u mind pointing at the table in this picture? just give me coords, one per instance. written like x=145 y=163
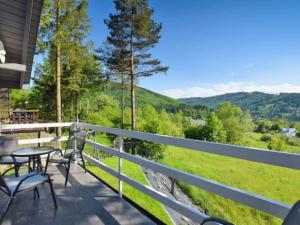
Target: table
x=34 y=154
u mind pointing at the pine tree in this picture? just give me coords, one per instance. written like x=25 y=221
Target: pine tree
x=61 y=40
x=132 y=30
x=114 y=59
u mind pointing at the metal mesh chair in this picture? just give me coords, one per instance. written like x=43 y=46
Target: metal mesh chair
x=74 y=146
x=213 y=220
x=8 y=144
x=13 y=185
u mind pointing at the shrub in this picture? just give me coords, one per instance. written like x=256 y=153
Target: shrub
x=277 y=143
x=194 y=132
x=266 y=138
x=151 y=150
x=294 y=141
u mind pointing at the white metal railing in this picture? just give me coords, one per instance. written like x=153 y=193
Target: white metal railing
x=256 y=201
x=29 y=126
x=259 y=202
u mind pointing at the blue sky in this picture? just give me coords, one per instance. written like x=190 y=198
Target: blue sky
x=216 y=46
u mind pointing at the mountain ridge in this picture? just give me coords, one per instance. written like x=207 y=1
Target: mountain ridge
x=261 y=105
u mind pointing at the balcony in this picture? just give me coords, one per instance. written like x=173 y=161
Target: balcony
x=85 y=201
x=89 y=201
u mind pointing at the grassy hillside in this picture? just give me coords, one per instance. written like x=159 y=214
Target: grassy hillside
x=274 y=182
x=262 y=105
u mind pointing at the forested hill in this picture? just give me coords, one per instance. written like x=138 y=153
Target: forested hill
x=260 y=104
x=143 y=96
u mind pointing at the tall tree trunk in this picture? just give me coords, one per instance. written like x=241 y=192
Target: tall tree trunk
x=132 y=78
x=58 y=66
x=132 y=90
x=123 y=102
x=77 y=110
x=71 y=106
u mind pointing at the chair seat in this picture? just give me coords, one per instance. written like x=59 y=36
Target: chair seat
x=9 y=160
x=31 y=182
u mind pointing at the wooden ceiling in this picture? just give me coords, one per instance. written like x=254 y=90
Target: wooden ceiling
x=19 y=23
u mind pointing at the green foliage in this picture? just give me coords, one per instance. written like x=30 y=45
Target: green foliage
x=264 y=126
x=151 y=150
x=213 y=130
x=132 y=33
x=277 y=143
x=231 y=117
x=193 y=132
x=19 y=98
x=293 y=141
x=158 y=101
x=79 y=69
x=266 y=138
x=151 y=121
x=261 y=105
x=226 y=125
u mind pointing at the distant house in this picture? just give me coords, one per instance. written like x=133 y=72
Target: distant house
x=197 y=122
x=291 y=132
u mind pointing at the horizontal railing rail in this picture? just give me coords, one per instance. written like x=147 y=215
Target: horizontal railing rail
x=256 y=201
x=16 y=127
x=253 y=200
x=33 y=125
x=276 y=158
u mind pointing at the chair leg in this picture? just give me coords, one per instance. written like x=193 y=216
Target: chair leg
x=68 y=171
x=16 y=170
x=83 y=163
x=7 y=208
x=36 y=192
x=52 y=192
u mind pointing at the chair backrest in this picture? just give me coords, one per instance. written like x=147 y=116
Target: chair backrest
x=293 y=217
x=8 y=144
x=82 y=134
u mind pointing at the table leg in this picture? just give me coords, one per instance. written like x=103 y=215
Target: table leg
x=40 y=166
x=46 y=166
x=33 y=163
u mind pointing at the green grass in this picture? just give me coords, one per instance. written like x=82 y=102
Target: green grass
x=274 y=182
x=134 y=171
x=253 y=139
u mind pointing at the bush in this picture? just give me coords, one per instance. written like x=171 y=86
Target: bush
x=151 y=150
x=194 y=132
x=277 y=143
x=263 y=126
x=266 y=138
x=294 y=141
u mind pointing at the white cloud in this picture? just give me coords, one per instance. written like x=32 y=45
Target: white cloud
x=231 y=87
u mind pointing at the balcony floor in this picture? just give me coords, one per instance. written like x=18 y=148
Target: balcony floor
x=85 y=201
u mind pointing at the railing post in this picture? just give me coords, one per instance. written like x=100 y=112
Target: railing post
x=120 y=148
